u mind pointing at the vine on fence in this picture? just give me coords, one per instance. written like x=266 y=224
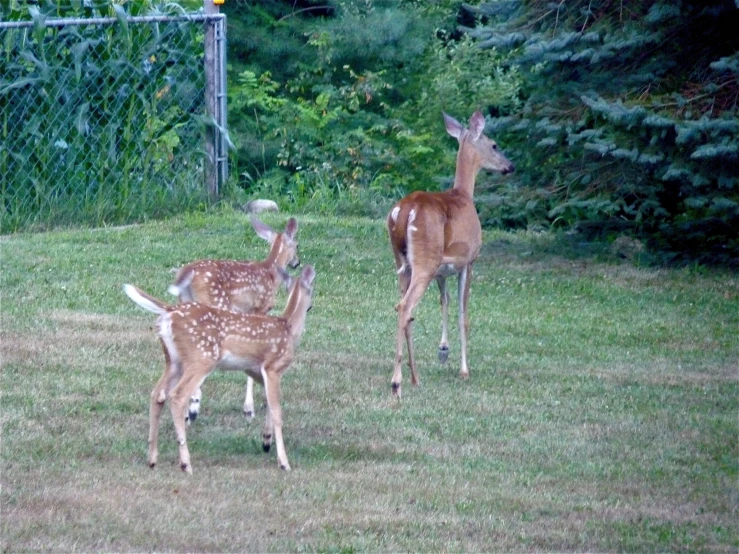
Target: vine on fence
x=100 y=121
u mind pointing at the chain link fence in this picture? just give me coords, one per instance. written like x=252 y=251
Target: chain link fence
x=106 y=120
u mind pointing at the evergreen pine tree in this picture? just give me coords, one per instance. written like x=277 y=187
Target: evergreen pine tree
x=630 y=117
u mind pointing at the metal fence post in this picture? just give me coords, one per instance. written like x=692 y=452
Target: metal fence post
x=110 y=128
x=212 y=180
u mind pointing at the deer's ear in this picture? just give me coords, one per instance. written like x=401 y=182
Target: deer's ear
x=287 y=281
x=308 y=275
x=263 y=230
x=453 y=127
x=477 y=124
x=292 y=228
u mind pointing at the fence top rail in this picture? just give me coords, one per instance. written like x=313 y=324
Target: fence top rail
x=63 y=22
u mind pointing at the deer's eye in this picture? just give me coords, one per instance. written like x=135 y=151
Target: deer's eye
x=495 y=146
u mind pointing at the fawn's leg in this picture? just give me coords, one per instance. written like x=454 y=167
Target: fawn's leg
x=272 y=389
x=249 y=398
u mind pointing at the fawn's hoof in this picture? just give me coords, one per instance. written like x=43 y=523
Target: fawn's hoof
x=396 y=390
x=443 y=354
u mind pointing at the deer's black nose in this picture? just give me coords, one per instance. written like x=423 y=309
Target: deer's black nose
x=510 y=169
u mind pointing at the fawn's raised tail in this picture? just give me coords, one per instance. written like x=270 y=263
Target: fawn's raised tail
x=182 y=285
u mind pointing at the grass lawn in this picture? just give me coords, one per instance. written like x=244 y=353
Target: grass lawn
x=600 y=415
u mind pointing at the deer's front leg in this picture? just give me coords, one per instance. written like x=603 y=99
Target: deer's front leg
x=249 y=398
x=267 y=431
x=194 y=409
x=272 y=390
x=195 y=401
x=444 y=300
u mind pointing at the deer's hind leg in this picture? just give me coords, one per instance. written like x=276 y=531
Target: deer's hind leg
x=193 y=376
x=162 y=390
x=465 y=276
x=418 y=285
x=444 y=301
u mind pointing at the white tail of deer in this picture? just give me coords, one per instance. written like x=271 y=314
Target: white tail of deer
x=198 y=339
x=437 y=234
x=240 y=286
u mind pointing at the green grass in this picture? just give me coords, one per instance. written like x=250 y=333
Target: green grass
x=601 y=412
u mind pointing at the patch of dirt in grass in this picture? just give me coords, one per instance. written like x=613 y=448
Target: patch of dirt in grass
x=663 y=373
x=342 y=359
x=76 y=330
x=594 y=260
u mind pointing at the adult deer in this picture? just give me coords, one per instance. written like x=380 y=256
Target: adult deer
x=198 y=339
x=240 y=286
x=438 y=234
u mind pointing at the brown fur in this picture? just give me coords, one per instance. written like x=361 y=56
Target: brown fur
x=437 y=234
x=198 y=339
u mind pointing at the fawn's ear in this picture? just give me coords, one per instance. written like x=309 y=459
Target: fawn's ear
x=307 y=276
x=263 y=230
x=291 y=228
x=287 y=281
x=477 y=124
x=453 y=127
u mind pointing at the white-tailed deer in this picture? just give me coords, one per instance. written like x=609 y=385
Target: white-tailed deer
x=240 y=286
x=198 y=339
x=438 y=234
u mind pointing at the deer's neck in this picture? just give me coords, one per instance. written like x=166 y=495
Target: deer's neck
x=274 y=258
x=296 y=311
x=467 y=169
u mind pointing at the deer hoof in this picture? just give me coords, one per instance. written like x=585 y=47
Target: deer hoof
x=464 y=376
x=152 y=465
x=249 y=414
x=187 y=468
x=396 y=390
x=443 y=354
x=285 y=467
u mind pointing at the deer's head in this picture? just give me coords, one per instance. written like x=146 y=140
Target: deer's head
x=284 y=246
x=486 y=151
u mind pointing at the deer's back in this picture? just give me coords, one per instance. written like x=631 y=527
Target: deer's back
x=443 y=224
x=233 y=285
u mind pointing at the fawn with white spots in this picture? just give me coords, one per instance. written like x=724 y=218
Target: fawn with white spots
x=240 y=286
x=198 y=339
x=437 y=234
